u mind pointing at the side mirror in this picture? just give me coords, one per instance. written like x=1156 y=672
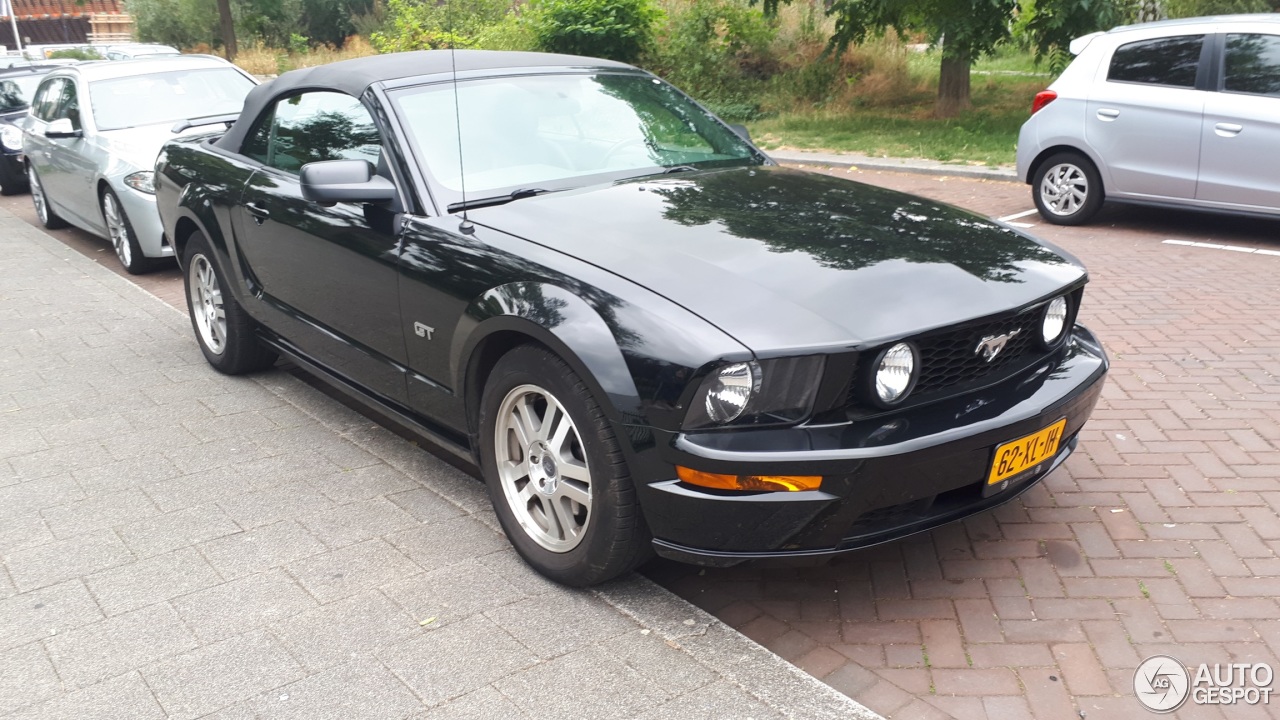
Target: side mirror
x=61 y=128
x=354 y=181
x=742 y=132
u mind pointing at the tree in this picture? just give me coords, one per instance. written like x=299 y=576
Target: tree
x=228 y=25
x=965 y=30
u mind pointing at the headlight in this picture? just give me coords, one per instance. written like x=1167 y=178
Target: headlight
x=11 y=137
x=1055 y=320
x=767 y=392
x=144 y=181
x=895 y=373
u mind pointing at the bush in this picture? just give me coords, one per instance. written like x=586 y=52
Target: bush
x=512 y=33
x=75 y=54
x=180 y=23
x=719 y=51
x=613 y=29
x=428 y=25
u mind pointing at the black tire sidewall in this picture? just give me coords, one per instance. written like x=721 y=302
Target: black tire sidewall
x=594 y=559
x=241 y=352
x=52 y=220
x=139 y=263
x=1092 y=203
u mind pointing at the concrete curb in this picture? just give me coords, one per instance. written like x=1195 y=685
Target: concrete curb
x=917 y=166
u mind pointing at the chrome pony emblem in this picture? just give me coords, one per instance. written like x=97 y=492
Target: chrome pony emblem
x=991 y=346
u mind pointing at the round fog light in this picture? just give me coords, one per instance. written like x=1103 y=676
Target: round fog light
x=1055 y=320
x=895 y=373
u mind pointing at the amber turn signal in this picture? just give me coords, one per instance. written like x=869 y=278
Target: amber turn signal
x=775 y=483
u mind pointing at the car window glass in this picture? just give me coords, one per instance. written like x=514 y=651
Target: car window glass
x=313 y=127
x=1252 y=64
x=1164 y=61
x=166 y=97
x=68 y=105
x=47 y=99
x=16 y=92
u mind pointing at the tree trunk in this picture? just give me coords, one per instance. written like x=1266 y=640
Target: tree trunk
x=953 y=84
x=228 y=24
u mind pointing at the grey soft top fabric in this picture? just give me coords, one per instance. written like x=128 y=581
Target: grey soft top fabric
x=353 y=77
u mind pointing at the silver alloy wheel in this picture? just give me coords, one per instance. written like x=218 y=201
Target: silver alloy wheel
x=116 y=230
x=206 y=304
x=1064 y=189
x=542 y=468
x=37 y=196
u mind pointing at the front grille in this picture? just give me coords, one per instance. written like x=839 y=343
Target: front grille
x=951 y=359
x=950 y=363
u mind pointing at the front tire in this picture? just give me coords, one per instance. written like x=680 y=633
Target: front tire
x=556 y=474
x=1067 y=189
x=224 y=331
x=123 y=239
x=50 y=219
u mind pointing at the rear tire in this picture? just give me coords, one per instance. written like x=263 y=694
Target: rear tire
x=1067 y=189
x=556 y=474
x=50 y=219
x=224 y=331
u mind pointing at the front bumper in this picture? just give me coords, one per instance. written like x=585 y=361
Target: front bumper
x=141 y=209
x=885 y=477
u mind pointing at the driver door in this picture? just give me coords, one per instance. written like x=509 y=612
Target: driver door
x=327 y=273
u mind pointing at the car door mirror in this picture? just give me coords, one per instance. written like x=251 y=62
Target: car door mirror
x=354 y=181
x=742 y=132
x=61 y=128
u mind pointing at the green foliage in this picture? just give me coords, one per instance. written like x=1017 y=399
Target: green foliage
x=180 y=23
x=613 y=29
x=511 y=33
x=188 y=23
x=1197 y=8
x=75 y=54
x=426 y=24
x=269 y=21
x=1049 y=26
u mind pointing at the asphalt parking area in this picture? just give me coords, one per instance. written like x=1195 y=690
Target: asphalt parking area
x=1160 y=535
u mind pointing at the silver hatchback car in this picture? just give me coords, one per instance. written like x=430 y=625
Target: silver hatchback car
x=1181 y=113
x=94 y=132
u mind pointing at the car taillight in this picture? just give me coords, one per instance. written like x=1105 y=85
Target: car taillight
x=1043 y=98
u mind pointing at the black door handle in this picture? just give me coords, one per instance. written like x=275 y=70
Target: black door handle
x=257 y=212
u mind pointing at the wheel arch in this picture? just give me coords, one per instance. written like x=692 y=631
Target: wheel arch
x=195 y=213
x=1052 y=150
x=503 y=318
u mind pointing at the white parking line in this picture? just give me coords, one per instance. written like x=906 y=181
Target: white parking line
x=1216 y=246
x=1015 y=216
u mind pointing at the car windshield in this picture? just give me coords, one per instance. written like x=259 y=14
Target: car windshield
x=551 y=132
x=167 y=97
x=16 y=91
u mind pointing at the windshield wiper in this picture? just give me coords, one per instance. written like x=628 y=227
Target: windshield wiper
x=498 y=199
x=679 y=169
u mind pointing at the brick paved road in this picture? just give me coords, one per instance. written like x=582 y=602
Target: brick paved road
x=1160 y=535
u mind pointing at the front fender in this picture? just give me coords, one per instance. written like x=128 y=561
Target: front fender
x=566 y=324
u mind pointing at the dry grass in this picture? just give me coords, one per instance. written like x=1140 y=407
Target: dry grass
x=258 y=59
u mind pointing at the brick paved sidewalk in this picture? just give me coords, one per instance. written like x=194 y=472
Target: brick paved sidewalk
x=180 y=544
x=1160 y=535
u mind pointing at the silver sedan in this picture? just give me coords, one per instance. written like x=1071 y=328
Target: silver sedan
x=93 y=135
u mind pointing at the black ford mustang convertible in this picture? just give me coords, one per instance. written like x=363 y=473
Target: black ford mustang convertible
x=648 y=335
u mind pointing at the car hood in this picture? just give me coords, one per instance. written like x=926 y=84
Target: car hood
x=788 y=261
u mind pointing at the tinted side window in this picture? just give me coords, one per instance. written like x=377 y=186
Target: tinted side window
x=312 y=127
x=1164 y=61
x=68 y=104
x=1252 y=64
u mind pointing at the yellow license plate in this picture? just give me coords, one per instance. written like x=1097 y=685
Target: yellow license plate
x=1025 y=452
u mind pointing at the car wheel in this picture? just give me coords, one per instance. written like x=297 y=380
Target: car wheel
x=556 y=474
x=224 y=330
x=123 y=239
x=48 y=217
x=1067 y=189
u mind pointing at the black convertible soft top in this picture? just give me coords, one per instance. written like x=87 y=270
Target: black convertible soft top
x=353 y=77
